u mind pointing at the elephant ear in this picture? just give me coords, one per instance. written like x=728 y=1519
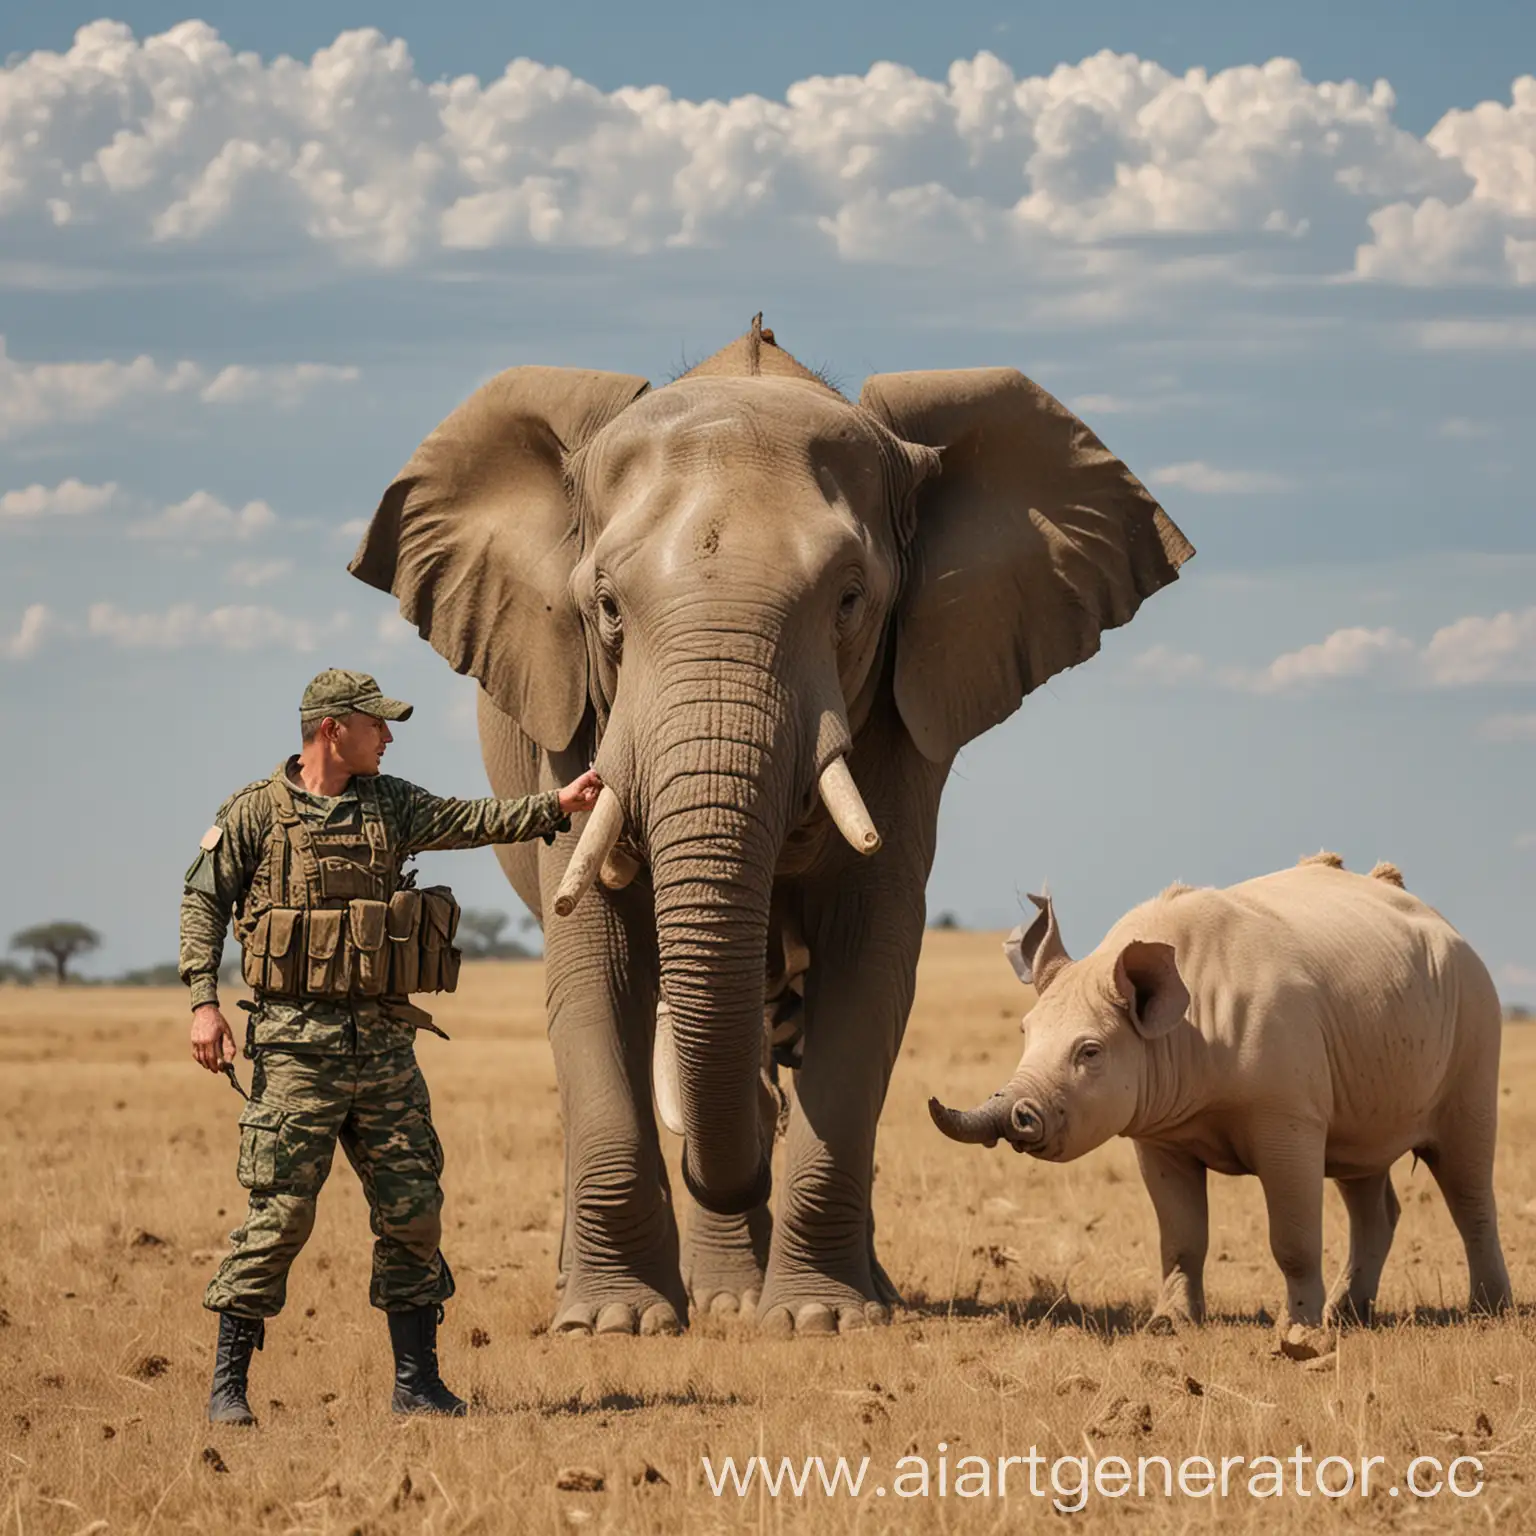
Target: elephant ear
x=1030 y=542
x=477 y=537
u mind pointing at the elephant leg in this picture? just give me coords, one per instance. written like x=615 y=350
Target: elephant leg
x=1373 y=1212
x=864 y=923
x=619 y=1246
x=1176 y=1183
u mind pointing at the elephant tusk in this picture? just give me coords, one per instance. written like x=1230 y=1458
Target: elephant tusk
x=605 y=824
x=669 y=1099
x=842 y=798
x=619 y=868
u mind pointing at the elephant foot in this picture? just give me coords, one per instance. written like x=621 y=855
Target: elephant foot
x=810 y=1304
x=585 y=1319
x=815 y=1319
x=723 y=1261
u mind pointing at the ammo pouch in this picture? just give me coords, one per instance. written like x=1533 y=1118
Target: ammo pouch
x=439 y=925
x=366 y=948
x=271 y=959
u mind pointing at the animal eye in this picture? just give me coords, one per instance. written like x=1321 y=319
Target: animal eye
x=1089 y=1052
x=848 y=607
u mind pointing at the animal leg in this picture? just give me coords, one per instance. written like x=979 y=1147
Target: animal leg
x=1288 y=1159
x=823 y=1276
x=619 y=1247
x=1462 y=1164
x=1373 y=1211
x=1176 y=1183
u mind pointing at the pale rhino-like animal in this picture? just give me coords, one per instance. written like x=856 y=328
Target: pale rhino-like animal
x=1305 y=1025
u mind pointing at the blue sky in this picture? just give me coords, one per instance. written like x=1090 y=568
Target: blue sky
x=237 y=289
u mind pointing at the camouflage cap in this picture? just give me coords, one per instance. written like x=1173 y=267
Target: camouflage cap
x=339 y=693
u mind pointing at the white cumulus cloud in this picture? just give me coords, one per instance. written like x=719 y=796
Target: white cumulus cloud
x=1490 y=233
x=69 y=498
x=1207 y=480
x=1501 y=649
x=1345 y=653
x=258 y=573
x=233 y=627
x=153 y=148
x=202 y=516
x=36 y=622
x=34 y=396
x=1474 y=651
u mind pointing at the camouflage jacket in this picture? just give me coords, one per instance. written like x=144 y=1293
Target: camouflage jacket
x=220 y=879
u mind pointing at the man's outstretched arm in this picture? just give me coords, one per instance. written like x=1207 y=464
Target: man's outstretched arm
x=429 y=821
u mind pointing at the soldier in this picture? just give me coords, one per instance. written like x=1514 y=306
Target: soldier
x=334 y=935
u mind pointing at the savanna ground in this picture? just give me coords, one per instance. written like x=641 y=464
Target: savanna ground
x=1026 y=1289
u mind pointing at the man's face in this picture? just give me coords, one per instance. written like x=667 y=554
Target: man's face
x=360 y=743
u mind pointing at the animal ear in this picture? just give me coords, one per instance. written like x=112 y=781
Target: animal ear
x=1030 y=542
x=477 y=537
x=1147 y=976
x=1036 y=953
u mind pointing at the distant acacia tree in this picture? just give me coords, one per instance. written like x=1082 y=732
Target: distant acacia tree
x=59 y=942
x=480 y=936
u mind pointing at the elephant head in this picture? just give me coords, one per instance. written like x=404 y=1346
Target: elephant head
x=715 y=583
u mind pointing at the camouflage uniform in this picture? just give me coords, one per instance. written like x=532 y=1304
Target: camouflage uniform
x=333 y=1068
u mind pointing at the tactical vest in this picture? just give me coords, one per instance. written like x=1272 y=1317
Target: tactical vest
x=338 y=920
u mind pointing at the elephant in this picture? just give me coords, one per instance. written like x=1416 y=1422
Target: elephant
x=1306 y=1024
x=770 y=617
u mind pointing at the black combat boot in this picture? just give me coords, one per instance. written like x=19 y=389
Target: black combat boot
x=238 y=1336
x=418 y=1387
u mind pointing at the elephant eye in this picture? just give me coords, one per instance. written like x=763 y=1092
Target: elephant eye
x=610 y=623
x=848 y=607
x=1088 y=1053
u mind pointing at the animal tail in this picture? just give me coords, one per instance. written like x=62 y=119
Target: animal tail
x=1388 y=872
x=1332 y=860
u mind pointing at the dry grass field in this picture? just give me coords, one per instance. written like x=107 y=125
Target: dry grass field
x=1026 y=1286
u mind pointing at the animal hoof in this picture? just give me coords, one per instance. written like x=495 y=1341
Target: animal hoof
x=816 y=1317
x=1298 y=1341
x=778 y=1323
x=617 y=1317
x=574 y=1322
x=659 y=1321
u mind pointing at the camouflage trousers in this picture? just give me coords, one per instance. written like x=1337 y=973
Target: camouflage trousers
x=301 y=1104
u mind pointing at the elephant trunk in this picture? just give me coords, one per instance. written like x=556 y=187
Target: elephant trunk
x=715 y=808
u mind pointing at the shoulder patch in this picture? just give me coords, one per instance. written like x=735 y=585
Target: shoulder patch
x=210 y=839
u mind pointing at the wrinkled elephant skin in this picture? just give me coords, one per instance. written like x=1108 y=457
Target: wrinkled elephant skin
x=771 y=616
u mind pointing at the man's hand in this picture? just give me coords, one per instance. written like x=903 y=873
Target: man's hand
x=581 y=794
x=213 y=1043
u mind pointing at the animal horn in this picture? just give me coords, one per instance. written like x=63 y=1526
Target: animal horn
x=604 y=825
x=846 y=805
x=978 y=1127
